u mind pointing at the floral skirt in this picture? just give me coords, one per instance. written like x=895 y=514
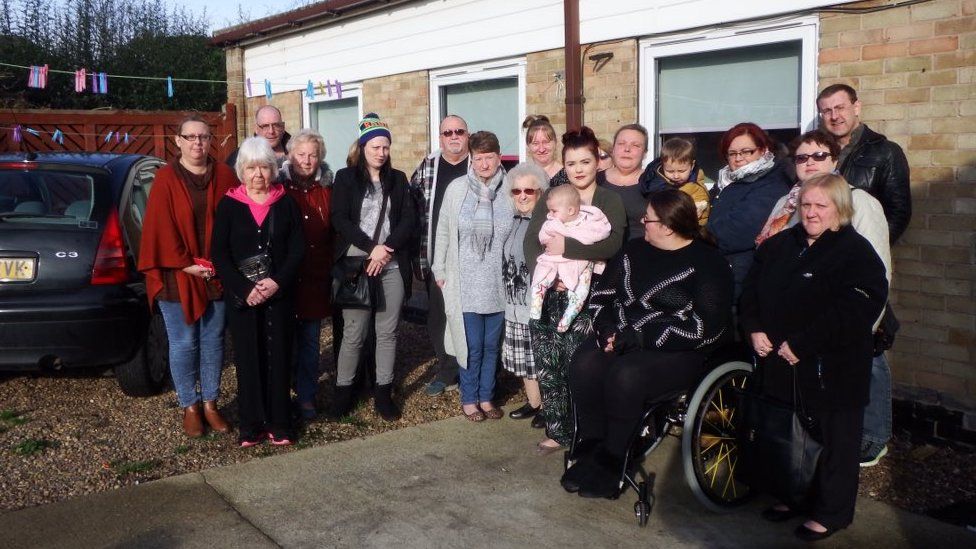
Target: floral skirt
x=553 y=352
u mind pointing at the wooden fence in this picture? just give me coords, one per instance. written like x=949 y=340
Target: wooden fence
x=149 y=132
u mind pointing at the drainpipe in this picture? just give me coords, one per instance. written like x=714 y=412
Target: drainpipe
x=574 y=75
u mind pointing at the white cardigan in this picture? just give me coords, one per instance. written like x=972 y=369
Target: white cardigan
x=447 y=265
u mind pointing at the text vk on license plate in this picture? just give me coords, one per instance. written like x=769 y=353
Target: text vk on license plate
x=17 y=269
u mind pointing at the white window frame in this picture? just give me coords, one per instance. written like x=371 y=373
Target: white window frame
x=348 y=91
x=651 y=50
x=504 y=68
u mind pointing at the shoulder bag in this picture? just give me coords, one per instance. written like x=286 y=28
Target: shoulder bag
x=352 y=288
x=779 y=453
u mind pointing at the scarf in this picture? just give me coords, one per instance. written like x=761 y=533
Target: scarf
x=748 y=173
x=781 y=219
x=483 y=221
x=258 y=211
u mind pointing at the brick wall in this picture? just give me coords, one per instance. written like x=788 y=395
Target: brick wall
x=234 y=62
x=545 y=87
x=403 y=101
x=611 y=91
x=914 y=71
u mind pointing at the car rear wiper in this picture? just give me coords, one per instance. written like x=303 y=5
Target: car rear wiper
x=12 y=215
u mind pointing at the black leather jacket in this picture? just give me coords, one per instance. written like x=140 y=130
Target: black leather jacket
x=879 y=167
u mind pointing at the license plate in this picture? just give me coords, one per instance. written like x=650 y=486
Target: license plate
x=17 y=269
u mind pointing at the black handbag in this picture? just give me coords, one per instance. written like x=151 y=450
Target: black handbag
x=884 y=336
x=352 y=288
x=778 y=451
x=259 y=266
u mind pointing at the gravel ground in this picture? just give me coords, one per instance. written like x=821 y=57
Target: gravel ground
x=70 y=434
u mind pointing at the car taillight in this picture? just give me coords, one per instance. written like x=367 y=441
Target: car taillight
x=110 y=266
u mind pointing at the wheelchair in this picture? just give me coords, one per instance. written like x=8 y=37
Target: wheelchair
x=706 y=421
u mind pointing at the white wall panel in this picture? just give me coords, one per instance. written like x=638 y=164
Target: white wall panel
x=443 y=33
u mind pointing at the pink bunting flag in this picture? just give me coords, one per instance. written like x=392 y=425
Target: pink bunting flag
x=81 y=80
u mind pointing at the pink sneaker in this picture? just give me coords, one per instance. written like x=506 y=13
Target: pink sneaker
x=278 y=441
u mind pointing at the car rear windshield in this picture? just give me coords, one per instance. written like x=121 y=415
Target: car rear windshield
x=45 y=196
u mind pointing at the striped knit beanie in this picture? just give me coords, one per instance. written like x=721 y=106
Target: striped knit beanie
x=371 y=126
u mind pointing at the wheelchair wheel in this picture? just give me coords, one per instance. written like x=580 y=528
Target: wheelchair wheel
x=709 y=450
x=642 y=509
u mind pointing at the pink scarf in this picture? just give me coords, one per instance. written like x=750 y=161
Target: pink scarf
x=258 y=211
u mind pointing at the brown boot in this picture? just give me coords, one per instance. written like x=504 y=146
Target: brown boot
x=192 y=422
x=214 y=419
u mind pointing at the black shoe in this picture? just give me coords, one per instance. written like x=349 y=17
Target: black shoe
x=807 y=534
x=773 y=514
x=525 y=412
x=342 y=402
x=573 y=476
x=384 y=404
x=603 y=479
x=539 y=421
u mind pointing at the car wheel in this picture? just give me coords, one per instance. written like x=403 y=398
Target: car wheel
x=146 y=373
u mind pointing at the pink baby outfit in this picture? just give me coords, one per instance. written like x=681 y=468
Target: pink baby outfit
x=590 y=226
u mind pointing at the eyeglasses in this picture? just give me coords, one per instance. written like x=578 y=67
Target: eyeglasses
x=743 y=153
x=645 y=220
x=457 y=131
x=528 y=192
x=819 y=156
x=201 y=138
x=838 y=110
x=276 y=125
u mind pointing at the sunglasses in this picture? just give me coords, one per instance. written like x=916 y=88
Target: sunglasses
x=528 y=192
x=458 y=132
x=818 y=156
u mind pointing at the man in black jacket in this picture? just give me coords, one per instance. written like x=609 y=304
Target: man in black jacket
x=269 y=125
x=869 y=161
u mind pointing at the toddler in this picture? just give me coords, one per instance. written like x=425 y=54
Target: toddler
x=586 y=224
x=676 y=167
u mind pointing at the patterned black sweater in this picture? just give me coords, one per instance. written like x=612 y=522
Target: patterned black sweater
x=676 y=300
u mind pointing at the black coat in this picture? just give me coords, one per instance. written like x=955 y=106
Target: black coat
x=347 y=204
x=822 y=299
x=879 y=167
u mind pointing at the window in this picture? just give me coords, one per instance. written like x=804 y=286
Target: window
x=338 y=122
x=698 y=86
x=488 y=97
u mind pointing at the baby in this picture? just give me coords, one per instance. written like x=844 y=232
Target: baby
x=585 y=224
x=676 y=167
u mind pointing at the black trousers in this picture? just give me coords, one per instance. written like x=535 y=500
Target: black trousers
x=262 y=355
x=447 y=365
x=610 y=390
x=835 y=485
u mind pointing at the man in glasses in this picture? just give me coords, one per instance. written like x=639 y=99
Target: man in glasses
x=428 y=184
x=268 y=124
x=869 y=161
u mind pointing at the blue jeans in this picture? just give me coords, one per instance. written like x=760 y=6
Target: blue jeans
x=877 y=414
x=195 y=351
x=307 y=359
x=483 y=335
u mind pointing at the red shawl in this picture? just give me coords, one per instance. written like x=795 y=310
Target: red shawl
x=169 y=240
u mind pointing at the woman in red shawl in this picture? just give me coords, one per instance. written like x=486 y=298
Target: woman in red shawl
x=175 y=242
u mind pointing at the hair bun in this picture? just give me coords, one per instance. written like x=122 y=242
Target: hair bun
x=534 y=119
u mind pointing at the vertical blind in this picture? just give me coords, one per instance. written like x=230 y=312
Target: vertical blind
x=490 y=105
x=338 y=122
x=713 y=91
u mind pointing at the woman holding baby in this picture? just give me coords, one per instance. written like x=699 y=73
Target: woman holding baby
x=554 y=347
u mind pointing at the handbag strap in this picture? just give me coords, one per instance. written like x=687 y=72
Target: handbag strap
x=379 y=220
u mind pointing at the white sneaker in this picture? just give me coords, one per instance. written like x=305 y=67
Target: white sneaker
x=872 y=461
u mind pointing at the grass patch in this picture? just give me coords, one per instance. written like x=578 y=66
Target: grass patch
x=33 y=446
x=11 y=418
x=122 y=467
x=210 y=437
x=181 y=449
x=354 y=421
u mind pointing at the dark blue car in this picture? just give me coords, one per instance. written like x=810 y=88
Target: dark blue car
x=70 y=295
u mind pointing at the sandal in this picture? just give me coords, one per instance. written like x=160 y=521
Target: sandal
x=493 y=413
x=474 y=416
